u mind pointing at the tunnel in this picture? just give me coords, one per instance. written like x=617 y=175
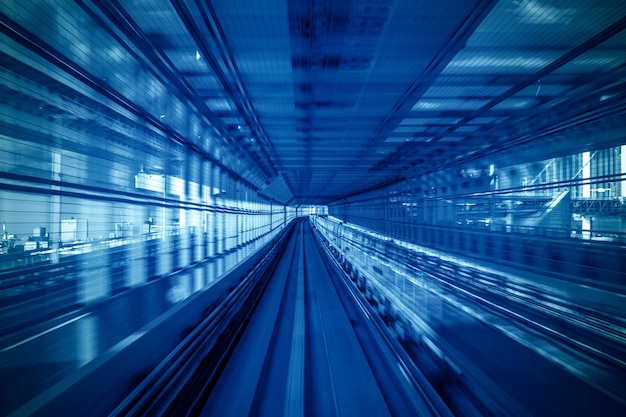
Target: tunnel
x=313 y=208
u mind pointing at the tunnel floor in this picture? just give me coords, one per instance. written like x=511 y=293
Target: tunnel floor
x=300 y=354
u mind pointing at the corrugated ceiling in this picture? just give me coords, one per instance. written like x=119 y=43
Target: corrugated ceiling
x=326 y=99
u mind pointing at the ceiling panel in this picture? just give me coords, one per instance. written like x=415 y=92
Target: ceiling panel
x=333 y=98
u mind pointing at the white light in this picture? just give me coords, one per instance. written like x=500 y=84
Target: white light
x=586 y=174
x=532 y=12
x=499 y=62
x=425 y=105
x=198 y=56
x=623 y=170
x=586 y=228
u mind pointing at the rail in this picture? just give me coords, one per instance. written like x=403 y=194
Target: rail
x=422 y=291
x=175 y=385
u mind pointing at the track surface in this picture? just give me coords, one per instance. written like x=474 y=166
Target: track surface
x=519 y=350
x=300 y=354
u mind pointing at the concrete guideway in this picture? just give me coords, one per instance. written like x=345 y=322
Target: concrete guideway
x=302 y=352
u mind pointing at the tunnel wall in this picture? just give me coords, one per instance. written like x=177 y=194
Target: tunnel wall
x=488 y=214
x=599 y=263
x=119 y=197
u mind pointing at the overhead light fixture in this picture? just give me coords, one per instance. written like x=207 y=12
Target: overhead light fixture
x=425 y=105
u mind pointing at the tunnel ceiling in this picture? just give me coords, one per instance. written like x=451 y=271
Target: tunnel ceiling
x=333 y=98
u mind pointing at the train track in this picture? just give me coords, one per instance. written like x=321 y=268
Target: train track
x=483 y=309
x=305 y=344
x=179 y=384
x=313 y=351
x=599 y=334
